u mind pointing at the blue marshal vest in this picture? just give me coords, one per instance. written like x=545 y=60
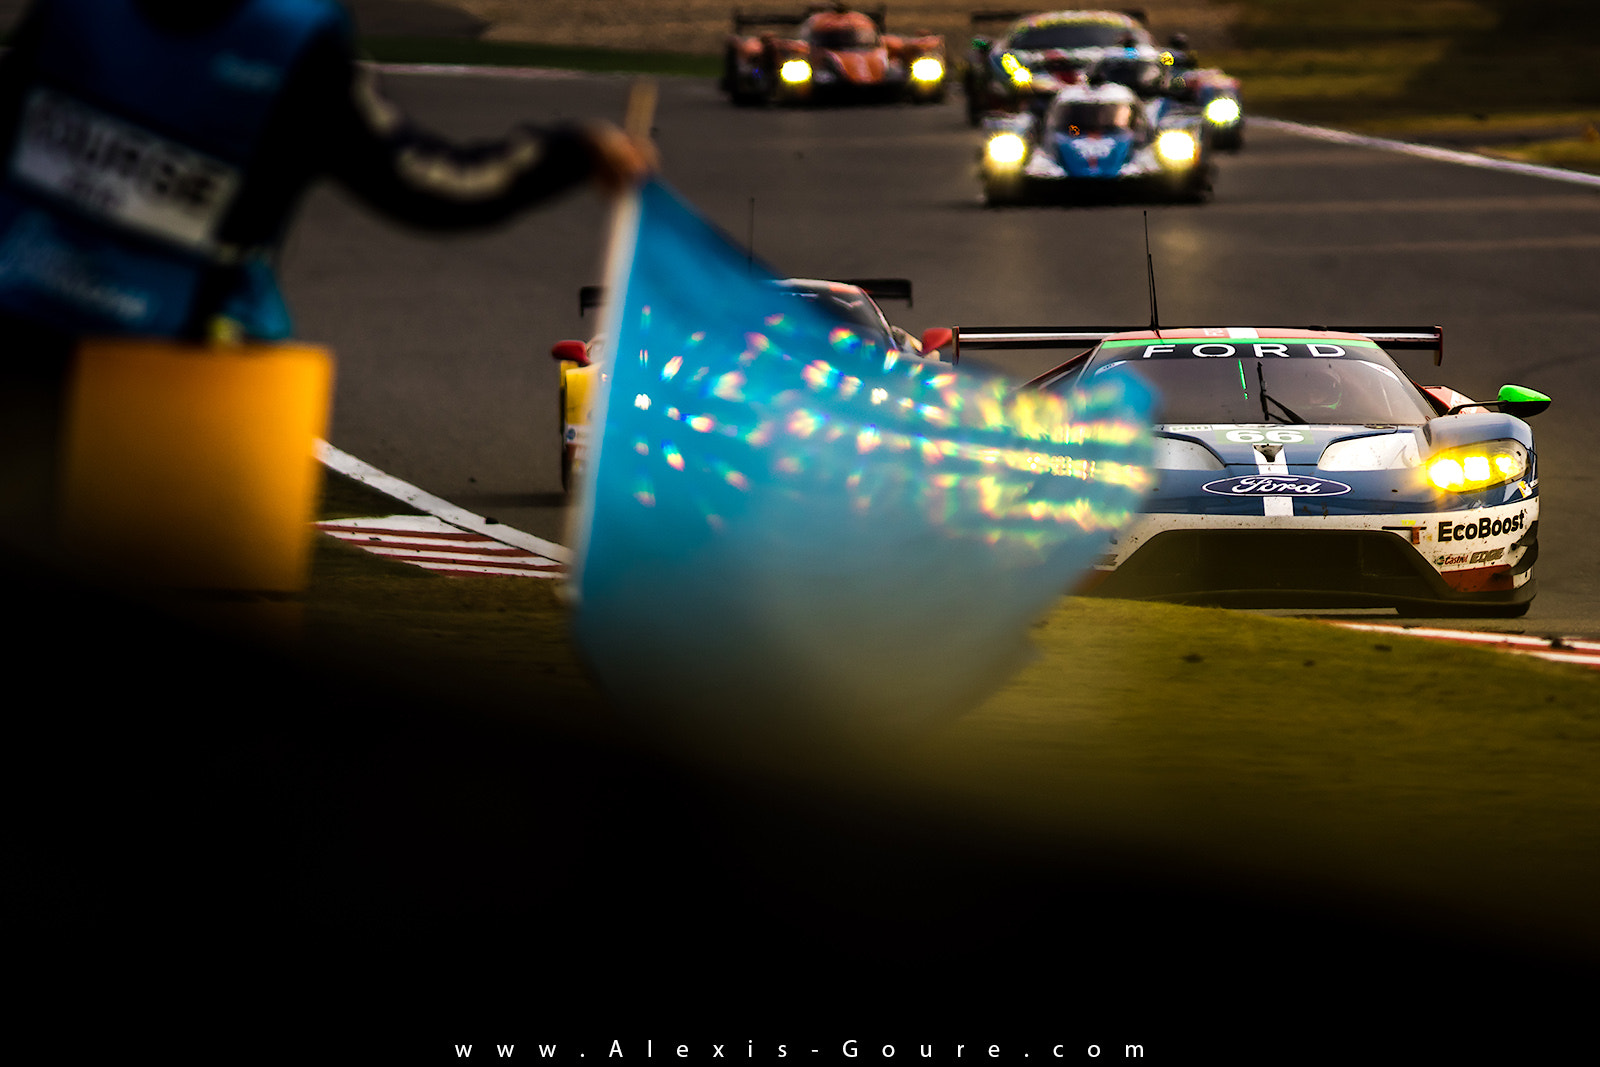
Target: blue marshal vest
x=132 y=146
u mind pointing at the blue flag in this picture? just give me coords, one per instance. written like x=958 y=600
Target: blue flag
x=780 y=522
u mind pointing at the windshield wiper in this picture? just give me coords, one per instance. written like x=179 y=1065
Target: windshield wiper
x=1261 y=378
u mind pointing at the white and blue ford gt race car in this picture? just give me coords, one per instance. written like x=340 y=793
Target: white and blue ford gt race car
x=1304 y=468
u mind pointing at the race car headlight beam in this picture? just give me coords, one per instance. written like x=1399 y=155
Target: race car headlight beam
x=1469 y=468
x=1176 y=148
x=1223 y=111
x=1005 y=151
x=927 y=70
x=795 y=72
x=1020 y=75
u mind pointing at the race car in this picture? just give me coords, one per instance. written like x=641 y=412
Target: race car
x=863 y=329
x=1096 y=139
x=1216 y=94
x=832 y=54
x=1040 y=54
x=1302 y=468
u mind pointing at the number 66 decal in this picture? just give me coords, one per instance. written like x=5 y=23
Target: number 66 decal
x=1265 y=437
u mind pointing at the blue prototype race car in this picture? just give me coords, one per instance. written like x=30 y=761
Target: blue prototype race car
x=1097 y=140
x=1301 y=468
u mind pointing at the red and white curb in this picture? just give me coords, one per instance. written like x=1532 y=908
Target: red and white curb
x=430 y=542
x=445 y=539
x=451 y=540
x=1558 y=649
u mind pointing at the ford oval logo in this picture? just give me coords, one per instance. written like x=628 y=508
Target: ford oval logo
x=1276 y=485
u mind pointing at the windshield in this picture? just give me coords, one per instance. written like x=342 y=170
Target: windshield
x=1284 y=380
x=863 y=324
x=1072 y=35
x=1079 y=117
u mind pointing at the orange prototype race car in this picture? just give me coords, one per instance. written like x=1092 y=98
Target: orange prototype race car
x=833 y=55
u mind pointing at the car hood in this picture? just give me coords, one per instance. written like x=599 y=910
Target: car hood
x=1229 y=444
x=1227 y=468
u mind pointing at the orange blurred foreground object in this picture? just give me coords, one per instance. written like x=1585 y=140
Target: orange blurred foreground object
x=192 y=468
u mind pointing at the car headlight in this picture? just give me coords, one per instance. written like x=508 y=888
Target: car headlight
x=1223 y=111
x=1176 y=147
x=795 y=71
x=927 y=69
x=1020 y=75
x=1006 y=150
x=1468 y=468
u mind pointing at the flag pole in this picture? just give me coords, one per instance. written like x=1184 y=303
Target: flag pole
x=641 y=111
x=638 y=117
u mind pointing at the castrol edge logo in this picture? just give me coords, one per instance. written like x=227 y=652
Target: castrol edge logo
x=1276 y=485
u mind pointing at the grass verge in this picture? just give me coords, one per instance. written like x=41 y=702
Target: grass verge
x=1454 y=784
x=1436 y=69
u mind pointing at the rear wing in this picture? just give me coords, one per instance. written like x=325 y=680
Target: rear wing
x=992 y=338
x=1400 y=338
x=1082 y=338
x=981 y=17
x=978 y=18
x=741 y=19
x=744 y=19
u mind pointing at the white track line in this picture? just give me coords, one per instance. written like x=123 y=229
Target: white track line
x=1425 y=151
x=1557 y=649
x=368 y=475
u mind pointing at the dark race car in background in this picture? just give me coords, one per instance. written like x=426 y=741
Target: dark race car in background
x=1037 y=55
x=1096 y=140
x=1040 y=54
x=862 y=331
x=1302 y=468
x=829 y=54
x=1215 y=93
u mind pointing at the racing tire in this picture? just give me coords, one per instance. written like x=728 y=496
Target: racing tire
x=1000 y=195
x=1196 y=192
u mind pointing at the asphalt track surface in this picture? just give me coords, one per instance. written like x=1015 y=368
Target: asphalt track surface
x=445 y=379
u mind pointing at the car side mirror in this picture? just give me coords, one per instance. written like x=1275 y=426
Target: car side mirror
x=1521 y=401
x=936 y=340
x=570 y=352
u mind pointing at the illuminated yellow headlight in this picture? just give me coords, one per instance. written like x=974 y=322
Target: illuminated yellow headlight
x=1006 y=150
x=795 y=71
x=927 y=69
x=1019 y=74
x=1472 y=467
x=1176 y=147
x=1222 y=111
